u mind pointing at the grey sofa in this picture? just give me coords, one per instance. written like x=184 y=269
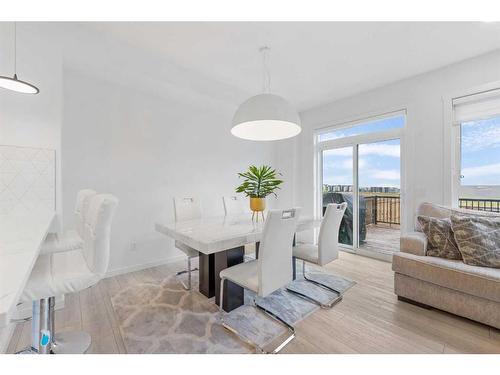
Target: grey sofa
x=450 y=285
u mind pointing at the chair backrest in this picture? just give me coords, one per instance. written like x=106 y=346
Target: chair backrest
x=328 y=241
x=275 y=252
x=234 y=205
x=82 y=207
x=96 y=240
x=187 y=208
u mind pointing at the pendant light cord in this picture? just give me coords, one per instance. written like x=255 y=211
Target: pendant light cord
x=266 y=76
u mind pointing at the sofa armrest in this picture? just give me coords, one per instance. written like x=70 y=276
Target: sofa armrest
x=414 y=243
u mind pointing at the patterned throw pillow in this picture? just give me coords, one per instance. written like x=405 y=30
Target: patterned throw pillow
x=478 y=239
x=441 y=241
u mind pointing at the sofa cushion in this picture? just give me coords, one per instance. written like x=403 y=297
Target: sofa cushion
x=454 y=274
x=478 y=239
x=440 y=236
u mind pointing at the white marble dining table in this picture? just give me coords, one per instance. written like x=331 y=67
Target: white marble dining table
x=220 y=242
x=20 y=239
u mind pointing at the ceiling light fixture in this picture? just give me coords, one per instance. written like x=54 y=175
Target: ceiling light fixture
x=15 y=84
x=265 y=117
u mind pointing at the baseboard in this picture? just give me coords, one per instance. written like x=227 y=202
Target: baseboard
x=143 y=266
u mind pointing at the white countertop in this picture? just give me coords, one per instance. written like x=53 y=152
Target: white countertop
x=214 y=234
x=20 y=240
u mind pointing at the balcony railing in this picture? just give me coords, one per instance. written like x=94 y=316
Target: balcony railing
x=383 y=209
x=492 y=205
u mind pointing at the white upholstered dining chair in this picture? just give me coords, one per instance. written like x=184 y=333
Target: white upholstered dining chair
x=187 y=208
x=69 y=272
x=325 y=252
x=271 y=271
x=235 y=205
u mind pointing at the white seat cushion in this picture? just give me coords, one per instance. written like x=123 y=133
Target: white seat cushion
x=59 y=273
x=189 y=251
x=67 y=241
x=307 y=252
x=244 y=274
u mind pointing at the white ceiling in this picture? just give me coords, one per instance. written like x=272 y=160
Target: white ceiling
x=311 y=63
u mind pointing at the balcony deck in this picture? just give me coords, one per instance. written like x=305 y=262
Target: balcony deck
x=382 y=238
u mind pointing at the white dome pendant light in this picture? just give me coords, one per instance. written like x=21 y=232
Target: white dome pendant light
x=14 y=84
x=266 y=117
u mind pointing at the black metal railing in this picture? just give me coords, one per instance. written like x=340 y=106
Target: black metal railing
x=383 y=209
x=491 y=205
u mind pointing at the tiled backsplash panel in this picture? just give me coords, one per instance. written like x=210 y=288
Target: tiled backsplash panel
x=27 y=179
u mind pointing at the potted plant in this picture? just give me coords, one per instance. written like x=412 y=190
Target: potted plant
x=258 y=183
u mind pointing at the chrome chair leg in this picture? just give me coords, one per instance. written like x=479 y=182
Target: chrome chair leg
x=290 y=328
x=188 y=271
x=317 y=282
x=321 y=285
x=245 y=339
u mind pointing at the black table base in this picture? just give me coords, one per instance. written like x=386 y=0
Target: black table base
x=209 y=285
x=207 y=274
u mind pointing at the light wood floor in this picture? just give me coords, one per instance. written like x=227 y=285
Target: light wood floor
x=369 y=319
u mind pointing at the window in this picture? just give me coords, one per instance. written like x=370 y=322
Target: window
x=368 y=126
x=477 y=133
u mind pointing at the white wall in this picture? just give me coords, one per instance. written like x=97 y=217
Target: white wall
x=32 y=120
x=146 y=148
x=422 y=96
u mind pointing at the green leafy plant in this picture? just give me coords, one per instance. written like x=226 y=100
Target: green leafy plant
x=259 y=182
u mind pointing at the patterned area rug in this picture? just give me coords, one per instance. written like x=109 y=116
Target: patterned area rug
x=165 y=318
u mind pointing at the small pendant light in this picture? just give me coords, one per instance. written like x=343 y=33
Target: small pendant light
x=265 y=117
x=15 y=84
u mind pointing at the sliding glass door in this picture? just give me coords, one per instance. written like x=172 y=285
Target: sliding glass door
x=364 y=170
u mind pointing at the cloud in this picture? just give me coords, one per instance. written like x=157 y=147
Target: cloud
x=379 y=149
x=336 y=135
x=338 y=180
x=385 y=174
x=482 y=170
x=480 y=135
x=368 y=149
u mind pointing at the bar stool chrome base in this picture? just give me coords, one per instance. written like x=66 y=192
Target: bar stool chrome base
x=71 y=342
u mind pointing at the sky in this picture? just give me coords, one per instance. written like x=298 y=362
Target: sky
x=379 y=163
x=480 y=143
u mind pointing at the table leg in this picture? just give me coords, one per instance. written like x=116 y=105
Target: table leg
x=233 y=293
x=257 y=246
x=207 y=274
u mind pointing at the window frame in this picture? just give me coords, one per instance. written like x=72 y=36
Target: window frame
x=452 y=163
